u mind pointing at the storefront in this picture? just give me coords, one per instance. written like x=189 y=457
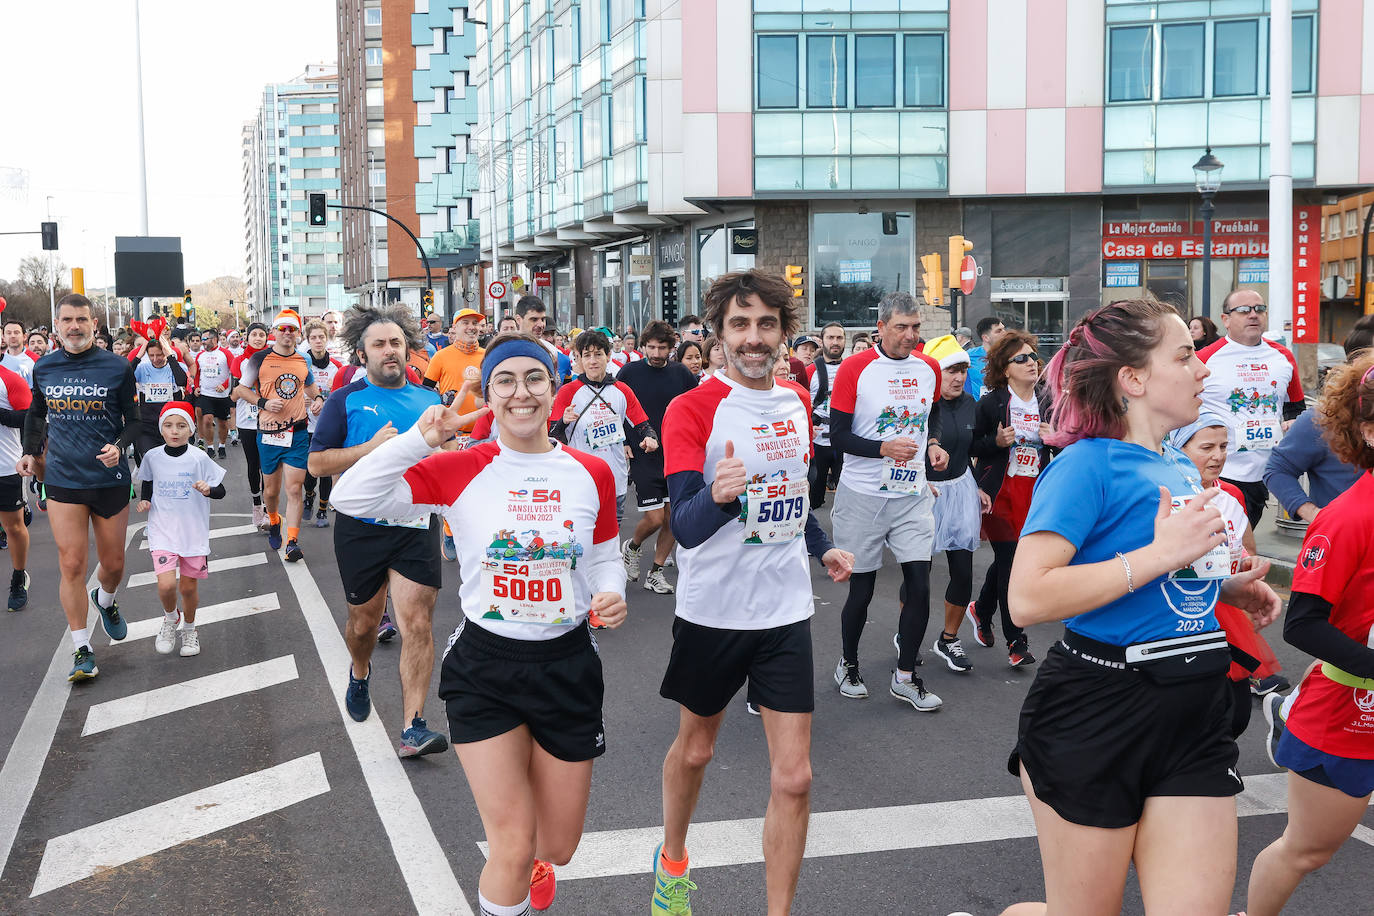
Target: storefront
x=1037 y=305
x=856 y=258
x=1164 y=258
x=671 y=261
x=722 y=247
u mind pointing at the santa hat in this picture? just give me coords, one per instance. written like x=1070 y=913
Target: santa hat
x=947 y=352
x=287 y=316
x=177 y=409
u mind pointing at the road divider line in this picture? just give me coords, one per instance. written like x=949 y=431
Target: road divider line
x=211 y=613
x=217 y=564
x=77 y=855
x=217 y=533
x=196 y=692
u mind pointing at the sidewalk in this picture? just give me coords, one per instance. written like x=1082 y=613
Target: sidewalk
x=1279 y=542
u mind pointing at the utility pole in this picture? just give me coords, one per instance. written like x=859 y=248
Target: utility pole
x=142 y=187
x=52 y=275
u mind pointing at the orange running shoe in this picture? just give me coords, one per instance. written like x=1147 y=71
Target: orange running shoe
x=543 y=885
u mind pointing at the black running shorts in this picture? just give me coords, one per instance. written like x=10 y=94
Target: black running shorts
x=106 y=502
x=651 y=486
x=11 y=493
x=219 y=408
x=1096 y=742
x=708 y=666
x=365 y=552
x=493 y=684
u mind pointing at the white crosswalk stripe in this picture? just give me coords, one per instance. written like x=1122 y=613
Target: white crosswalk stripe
x=211 y=613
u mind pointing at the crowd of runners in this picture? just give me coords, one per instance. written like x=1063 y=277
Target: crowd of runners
x=1118 y=488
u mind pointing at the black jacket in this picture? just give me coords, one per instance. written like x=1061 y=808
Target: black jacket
x=994 y=409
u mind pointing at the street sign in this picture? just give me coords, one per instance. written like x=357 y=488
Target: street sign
x=543 y=278
x=1335 y=287
x=968 y=275
x=496 y=289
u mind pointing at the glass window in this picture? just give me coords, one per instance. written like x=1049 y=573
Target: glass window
x=1351 y=221
x=374 y=96
x=623 y=116
x=827 y=71
x=875 y=76
x=1302 y=54
x=374 y=57
x=592 y=147
x=1235 y=58
x=1131 y=64
x=777 y=77
x=1181 y=60
x=923 y=70
x=1333 y=226
x=372 y=16
x=853 y=264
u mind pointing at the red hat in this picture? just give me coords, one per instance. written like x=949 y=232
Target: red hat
x=177 y=409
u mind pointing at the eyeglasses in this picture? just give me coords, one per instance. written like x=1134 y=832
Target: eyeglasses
x=284 y=327
x=1022 y=358
x=536 y=384
x=1247 y=309
x=695 y=332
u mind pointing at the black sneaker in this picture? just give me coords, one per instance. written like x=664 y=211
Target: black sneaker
x=293 y=551
x=1019 y=653
x=222 y=452
x=19 y=590
x=309 y=504
x=1273 y=718
x=4 y=540
x=952 y=651
x=1261 y=687
x=28 y=516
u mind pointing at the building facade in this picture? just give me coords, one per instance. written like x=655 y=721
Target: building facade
x=1342 y=238
x=290 y=150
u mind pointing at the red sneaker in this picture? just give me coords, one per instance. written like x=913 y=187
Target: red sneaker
x=543 y=885
x=982 y=632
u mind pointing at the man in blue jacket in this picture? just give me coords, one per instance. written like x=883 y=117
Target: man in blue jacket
x=989 y=329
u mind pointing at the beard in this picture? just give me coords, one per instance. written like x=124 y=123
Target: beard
x=736 y=359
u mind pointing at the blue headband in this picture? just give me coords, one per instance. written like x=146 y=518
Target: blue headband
x=1205 y=420
x=509 y=350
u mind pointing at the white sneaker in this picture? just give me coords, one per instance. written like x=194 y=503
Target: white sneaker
x=915 y=693
x=656 y=582
x=630 y=555
x=167 y=635
x=848 y=680
x=260 y=518
x=190 y=642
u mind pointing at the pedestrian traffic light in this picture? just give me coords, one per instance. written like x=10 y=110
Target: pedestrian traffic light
x=317 y=218
x=933 y=278
x=49 y=236
x=795 y=280
x=426 y=303
x=958 y=247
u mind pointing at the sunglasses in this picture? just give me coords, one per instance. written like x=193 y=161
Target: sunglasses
x=1023 y=358
x=1247 y=309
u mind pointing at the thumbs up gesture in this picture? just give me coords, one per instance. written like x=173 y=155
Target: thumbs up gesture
x=731 y=477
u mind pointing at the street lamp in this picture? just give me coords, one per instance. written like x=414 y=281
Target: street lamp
x=1207 y=178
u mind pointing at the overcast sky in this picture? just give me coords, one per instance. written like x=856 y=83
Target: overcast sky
x=68 y=109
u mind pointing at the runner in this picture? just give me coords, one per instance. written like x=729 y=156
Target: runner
x=526 y=740
x=456 y=372
x=280 y=382
x=655 y=381
x=1123 y=747
x=160 y=381
x=435 y=338
x=380 y=556
x=15 y=356
x=533 y=315
x=1328 y=745
x=878 y=414
x=38 y=344
x=1254 y=384
x=737 y=449
x=689 y=354
x=826 y=466
x=214 y=381
x=989 y=329
x=325 y=368
x=246 y=418
x=83 y=405
x=15 y=398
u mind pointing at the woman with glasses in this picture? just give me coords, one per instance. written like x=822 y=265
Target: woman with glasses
x=536 y=533
x=1009 y=444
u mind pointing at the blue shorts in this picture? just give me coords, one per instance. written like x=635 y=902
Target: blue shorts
x=1352 y=776
x=274 y=456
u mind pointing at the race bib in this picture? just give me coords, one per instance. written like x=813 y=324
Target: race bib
x=775 y=511
x=280 y=439
x=1024 y=461
x=250 y=414
x=902 y=476
x=1260 y=433
x=158 y=392
x=606 y=434
x=528 y=591
x=1215 y=564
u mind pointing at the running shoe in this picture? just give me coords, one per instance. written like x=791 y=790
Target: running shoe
x=293 y=551
x=166 y=639
x=309 y=503
x=260 y=519
x=19 y=590
x=982 y=632
x=114 y=625
x=658 y=583
x=1273 y=717
x=419 y=740
x=222 y=452
x=4 y=540
x=1019 y=653
x=630 y=555
x=190 y=643
x=952 y=651
x=672 y=558
x=28 y=516
x=751 y=709
x=1262 y=687
x=914 y=692
x=358 y=697
x=322 y=517
x=543 y=885
x=848 y=680
x=450 y=548
x=233 y=437
x=672 y=893
x=274 y=536
x=84 y=669
x=386 y=630
x=42 y=499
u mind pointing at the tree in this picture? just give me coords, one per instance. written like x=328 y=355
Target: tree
x=27 y=295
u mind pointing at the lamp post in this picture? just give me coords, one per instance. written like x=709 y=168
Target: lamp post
x=1207 y=178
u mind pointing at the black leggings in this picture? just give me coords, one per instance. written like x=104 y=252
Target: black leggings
x=994 y=593
x=960 y=588
x=911 y=624
x=248 y=438
x=326 y=487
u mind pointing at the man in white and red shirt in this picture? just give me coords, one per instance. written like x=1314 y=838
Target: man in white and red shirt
x=1254 y=384
x=736 y=451
x=879 y=410
x=15 y=398
x=213 y=383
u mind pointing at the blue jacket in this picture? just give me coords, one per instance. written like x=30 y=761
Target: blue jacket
x=1303 y=451
x=978 y=360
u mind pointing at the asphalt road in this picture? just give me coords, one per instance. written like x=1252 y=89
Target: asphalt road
x=245 y=788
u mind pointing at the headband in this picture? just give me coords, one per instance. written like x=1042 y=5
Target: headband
x=509 y=350
x=1205 y=420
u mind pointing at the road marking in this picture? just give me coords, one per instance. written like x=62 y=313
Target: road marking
x=211 y=613
x=121 y=840
x=217 y=564
x=424 y=866
x=198 y=691
x=610 y=853
x=217 y=533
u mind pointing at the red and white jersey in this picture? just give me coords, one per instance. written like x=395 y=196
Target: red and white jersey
x=514 y=510
x=601 y=417
x=214 y=376
x=1337 y=564
x=324 y=378
x=1249 y=386
x=622 y=357
x=15 y=394
x=733 y=580
x=889 y=398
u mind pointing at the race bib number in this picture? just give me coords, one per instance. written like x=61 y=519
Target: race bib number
x=158 y=392
x=775 y=511
x=280 y=439
x=528 y=591
x=251 y=414
x=902 y=476
x=1261 y=432
x=604 y=435
x=1215 y=564
x=1024 y=461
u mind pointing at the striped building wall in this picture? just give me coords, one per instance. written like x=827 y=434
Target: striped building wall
x=1345 y=87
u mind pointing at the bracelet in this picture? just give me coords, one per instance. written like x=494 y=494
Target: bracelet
x=1130 y=581
x=262 y=403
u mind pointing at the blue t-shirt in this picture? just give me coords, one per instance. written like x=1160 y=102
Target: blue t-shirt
x=1102 y=495
x=978 y=361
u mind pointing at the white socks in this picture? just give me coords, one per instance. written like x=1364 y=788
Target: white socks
x=488 y=908
x=81 y=637
x=105 y=598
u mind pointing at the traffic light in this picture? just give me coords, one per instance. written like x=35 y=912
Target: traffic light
x=49 y=236
x=426 y=301
x=933 y=278
x=958 y=247
x=795 y=280
x=317 y=218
